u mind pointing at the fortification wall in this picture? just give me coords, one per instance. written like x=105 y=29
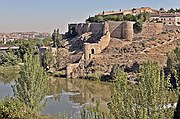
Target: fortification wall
x=170 y=27
x=151 y=29
x=104 y=41
x=115 y=29
x=121 y=30
x=81 y=28
x=95 y=48
x=127 y=30
x=70 y=68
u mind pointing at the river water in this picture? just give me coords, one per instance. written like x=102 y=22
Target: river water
x=67 y=96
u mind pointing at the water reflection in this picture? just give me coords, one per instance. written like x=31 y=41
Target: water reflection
x=64 y=95
x=69 y=95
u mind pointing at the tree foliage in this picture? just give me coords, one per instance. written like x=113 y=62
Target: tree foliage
x=15 y=109
x=150 y=99
x=144 y=16
x=174 y=10
x=48 y=59
x=57 y=39
x=173 y=63
x=32 y=85
x=8 y=58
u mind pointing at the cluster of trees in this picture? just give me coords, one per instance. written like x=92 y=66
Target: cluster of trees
x=153 y=96
x=29 y=90
x=174 y=10
x=31 y=86
x=57 y=39
x=8 y=58
x=139 y=19
x=37 y=42
x=173 y=63
x=25 y=47
x=128 y=17
x=150 y=99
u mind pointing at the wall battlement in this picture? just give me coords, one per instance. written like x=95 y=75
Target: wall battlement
x=120 y=30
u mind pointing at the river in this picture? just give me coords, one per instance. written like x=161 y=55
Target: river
x=66 y=96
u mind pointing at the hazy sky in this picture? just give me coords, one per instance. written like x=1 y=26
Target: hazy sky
x=45 y=15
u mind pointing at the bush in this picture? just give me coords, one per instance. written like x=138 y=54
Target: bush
x=15 y=109
x=138 y=26
x=8 y=58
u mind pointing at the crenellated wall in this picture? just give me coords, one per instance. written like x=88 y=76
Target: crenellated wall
x=81 y=28
x=120 y=30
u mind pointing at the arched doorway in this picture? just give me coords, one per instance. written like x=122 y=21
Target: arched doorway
x=92 y=51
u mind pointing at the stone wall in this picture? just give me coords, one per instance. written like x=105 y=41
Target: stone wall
x=95 y=48
x=81 y=28
x=127 y=30
x=115 y=29
x=170 y=27
x=121 y=30
x=151 y=29
x=70 y=68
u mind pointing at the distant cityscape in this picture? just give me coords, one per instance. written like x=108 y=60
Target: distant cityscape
x=10 y=37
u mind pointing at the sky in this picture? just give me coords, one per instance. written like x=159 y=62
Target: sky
x=46 y=15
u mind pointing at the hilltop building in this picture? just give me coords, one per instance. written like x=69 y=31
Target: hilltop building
x=166 y=18
x=155 y=15
x=133 y=11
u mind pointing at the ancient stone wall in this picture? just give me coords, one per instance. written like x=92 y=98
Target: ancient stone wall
x=70 y=68
x=170 y=27
x=81 y=28
x=151 y=29
x=121 y=30
x=95 y=48
x=127 y=30
x=104 y=41
x=115 y=29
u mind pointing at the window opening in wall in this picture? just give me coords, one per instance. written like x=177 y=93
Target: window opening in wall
x=92 y=51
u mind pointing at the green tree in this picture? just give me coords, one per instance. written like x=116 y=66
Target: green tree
x=32 y=85
x=59 y=59
x=54 y=37
x=138 y=26
x=114 y=71
x=150 y=100
x=173 y=63
x=153 y=94
x=59 y=39
x=8 y=58
x=48 y=58
x=26 y=47
x=121 y=102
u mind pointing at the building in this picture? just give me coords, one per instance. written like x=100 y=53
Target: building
x=166 y=18
x=133 y=11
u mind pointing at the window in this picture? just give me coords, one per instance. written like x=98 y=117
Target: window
x=92 y=51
